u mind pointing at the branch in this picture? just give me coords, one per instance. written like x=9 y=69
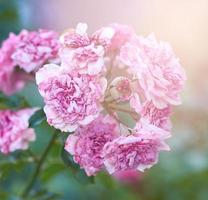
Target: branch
x=39 y=165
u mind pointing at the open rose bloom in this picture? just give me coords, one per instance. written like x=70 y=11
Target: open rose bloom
x=15 y=133
x=114 y=91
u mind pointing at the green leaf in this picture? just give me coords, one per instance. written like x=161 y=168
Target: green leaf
x=82 y=178
x=68 y=160
x=105 y=179
x=37 y=118
x=51 y=171
x=79 y=174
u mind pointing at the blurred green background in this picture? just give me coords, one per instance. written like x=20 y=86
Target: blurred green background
x=181 y=174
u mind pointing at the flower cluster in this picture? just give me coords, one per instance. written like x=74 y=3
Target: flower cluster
x=27 y=51
x=15 y=133
x=115 y=90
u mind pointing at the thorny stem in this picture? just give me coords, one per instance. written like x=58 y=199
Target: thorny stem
x=132 y=113
x=111 y=101
x=38 y=167
x=122 y=109
x=108 y=109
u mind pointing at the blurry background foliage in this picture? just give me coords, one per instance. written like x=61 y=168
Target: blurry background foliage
x=9 y=17
x=181 y=174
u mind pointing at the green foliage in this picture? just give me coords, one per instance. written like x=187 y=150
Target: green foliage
x=37 y=118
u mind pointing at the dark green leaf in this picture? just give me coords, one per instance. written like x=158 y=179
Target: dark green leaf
x=78 y=173
x=51 y=171
x=68 y=160
x=37 y=118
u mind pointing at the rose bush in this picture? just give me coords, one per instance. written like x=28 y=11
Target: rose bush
x=111 y=93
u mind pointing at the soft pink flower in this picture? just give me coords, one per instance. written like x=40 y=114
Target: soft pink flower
x=78 y=53
x=85 y=60
x=10 y=80
x=159 y=73
x=87 y=142
x=14 y=131
x=112 y=37
x=157 y=117
x=7 y=49
x=139 y=150
x=71 y=99
x=35 y=49
x=75 y=38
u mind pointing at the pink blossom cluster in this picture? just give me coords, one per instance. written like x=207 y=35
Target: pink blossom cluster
x=15 y=133
x=115 y=91
x=27 y=51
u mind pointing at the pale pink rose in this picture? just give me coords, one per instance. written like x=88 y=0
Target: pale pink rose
x=112 y=37
x=10 y=80
x=159 y=72
x=35 y=49
x=7 y=49
x=87 y=142
x=14 y=131
x=157 y=117
x=76 y=38
x=139 y=150
x=71 y=99
x=78 y=53
x=85 y=60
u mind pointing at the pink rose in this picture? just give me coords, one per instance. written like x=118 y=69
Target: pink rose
x=35 y=49
x=159 y=73
x=157 y=117
x=10 y=80
x=136 y=151
x=71 y=99
x=85 y=60
x=7 y=49
x=14 y=131
x=79 y=53
x=75 y=38
x=87 y=142
x=112 y=37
